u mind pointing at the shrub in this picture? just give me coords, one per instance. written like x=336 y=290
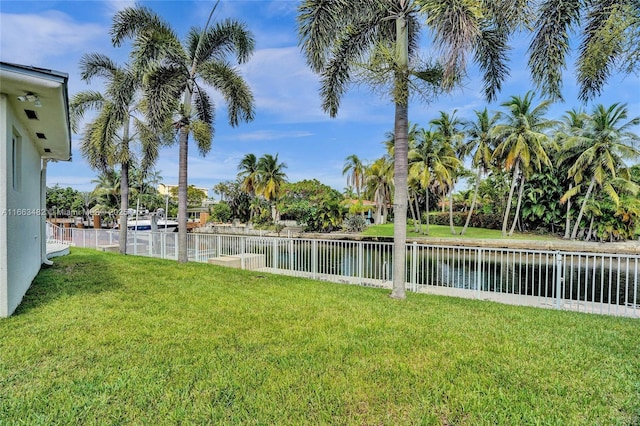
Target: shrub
x=220 y=212
x=478 y=220
x=354 y=223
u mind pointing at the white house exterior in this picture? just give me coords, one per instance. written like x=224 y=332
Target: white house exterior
x=34 y=128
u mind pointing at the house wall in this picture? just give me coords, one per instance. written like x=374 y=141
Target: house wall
x=20 y=221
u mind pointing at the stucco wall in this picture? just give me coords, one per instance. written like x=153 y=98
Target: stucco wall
x=21 y=242
x=3 y=205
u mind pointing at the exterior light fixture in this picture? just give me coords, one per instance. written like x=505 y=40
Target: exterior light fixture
x=30 y=97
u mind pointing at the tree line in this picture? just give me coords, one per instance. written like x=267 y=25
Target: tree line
x=536 y=173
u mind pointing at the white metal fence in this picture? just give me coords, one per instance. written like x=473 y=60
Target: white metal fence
x=585 y=282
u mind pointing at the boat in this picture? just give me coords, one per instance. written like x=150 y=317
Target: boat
x=163 y=225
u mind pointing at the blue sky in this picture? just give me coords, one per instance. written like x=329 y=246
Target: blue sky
x=289 y=120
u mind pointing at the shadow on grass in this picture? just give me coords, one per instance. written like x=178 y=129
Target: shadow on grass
x=74 y=274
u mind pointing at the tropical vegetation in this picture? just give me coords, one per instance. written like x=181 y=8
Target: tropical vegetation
x=176 y=74
x=107 y=138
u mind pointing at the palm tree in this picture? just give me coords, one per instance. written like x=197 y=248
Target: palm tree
x=610 y=38
x=354 y=169
x=449 y=130
x=604 y=146
x=107 y=138
x=480 y=145
x=248 y=172
x=522 y=145
x=431 y=164
x=106 y=192
x=379 y=184
x=337 y=37
x=270 y=179
x=175 y=75
x=573 y=123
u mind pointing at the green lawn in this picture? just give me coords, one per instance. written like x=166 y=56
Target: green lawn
x=107 y=339
x=443 y=231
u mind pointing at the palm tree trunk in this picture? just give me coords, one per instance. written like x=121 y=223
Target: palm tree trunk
x=574 y=234
x=567 y=225
x=413 y=213
x=473 y=202
x=515 y=218
x=124 y=206
x=401 y=159
x=427 y=212
x=453 y=230
x=418 y=213
x=182 y=194
x=590 y=229
x=507 y=210
x=124 y=188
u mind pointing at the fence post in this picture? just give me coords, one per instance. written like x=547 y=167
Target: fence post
x=479 y=264
x=291 y=255
x=314 y=258
x=197 y=248
x=175 y=246
x=275 y=253
x=414 y=266
x=360 y=261
x=558 y=280
x=242 y=251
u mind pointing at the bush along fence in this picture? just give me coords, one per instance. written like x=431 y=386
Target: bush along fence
x=576 y=281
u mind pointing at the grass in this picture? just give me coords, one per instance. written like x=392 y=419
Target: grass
x=443 y=231
x=102 y=338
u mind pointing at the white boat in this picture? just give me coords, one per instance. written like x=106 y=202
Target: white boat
x=145 y=225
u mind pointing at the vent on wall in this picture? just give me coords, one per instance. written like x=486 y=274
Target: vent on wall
x=47 y=150
x=40 y=135
x=31 y=114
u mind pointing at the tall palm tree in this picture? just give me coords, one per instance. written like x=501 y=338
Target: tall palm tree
x=176 y=74
x=431 y=163
x=107 y=138
x=573 y=123
x=379 y=184
x=270 y=179
x=339 y=36
x=521 y=145
x=248 y=172
x=449 y=130
x=604 y=146
x=610 y=39
x=479 y=145
x=354 y=169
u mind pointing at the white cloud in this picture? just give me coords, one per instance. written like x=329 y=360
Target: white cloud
x=114 y=6
x=34 y=39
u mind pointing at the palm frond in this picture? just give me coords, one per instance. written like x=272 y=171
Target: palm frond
x=205 y=109
x=80 y=103
x=203 y=134
x=456 y=27
x=97 y=65
x=550 y=45
x=234 y=89
x=163 y=87
x=602 y=45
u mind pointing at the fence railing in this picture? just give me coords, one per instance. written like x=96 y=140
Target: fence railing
x=585 y=282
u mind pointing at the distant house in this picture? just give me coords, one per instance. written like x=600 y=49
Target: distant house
x=165 y=189
x=34 y=127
